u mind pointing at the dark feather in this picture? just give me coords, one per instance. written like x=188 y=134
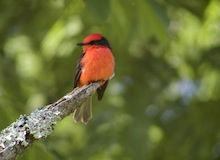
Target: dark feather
x=78 y=71
x=101 y=90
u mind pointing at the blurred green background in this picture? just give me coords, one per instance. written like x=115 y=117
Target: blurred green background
x=162 y=104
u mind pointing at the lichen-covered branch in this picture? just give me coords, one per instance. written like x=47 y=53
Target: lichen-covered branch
x=39 y=124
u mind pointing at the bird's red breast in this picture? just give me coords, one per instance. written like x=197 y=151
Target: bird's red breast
x=97 y=64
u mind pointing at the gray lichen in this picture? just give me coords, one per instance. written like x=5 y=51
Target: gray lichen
x=38 y=125
x=13 y=134
x=42 y=121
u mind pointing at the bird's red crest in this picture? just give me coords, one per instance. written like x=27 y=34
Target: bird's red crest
x=92 y=37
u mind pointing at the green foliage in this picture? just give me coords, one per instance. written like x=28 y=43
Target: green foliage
x=163 y=102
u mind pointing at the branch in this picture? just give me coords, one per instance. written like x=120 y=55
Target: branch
x=39 y=124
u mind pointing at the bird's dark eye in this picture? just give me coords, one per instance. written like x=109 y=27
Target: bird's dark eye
x=101 y=42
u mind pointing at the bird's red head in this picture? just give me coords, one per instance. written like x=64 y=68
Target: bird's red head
x=94 y=40
x=92 y=37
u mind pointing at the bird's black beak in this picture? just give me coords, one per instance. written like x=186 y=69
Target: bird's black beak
x=80 y=44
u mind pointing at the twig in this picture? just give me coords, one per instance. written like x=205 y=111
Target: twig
x=39 y=124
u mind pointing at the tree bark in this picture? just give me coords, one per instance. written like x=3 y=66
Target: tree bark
x=39 y=124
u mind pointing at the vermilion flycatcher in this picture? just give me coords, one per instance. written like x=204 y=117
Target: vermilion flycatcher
x=96 y=63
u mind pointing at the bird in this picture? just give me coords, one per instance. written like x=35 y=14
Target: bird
x=96 y=63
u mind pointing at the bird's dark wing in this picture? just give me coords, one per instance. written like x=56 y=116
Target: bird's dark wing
x=78 y=71
x=101 y=90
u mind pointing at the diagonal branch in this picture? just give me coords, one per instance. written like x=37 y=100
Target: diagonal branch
x=39 y=124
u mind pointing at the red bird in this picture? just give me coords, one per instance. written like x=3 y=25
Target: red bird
x=96 y=63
